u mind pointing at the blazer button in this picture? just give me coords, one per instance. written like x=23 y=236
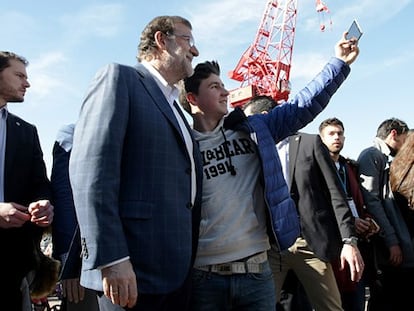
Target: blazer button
x=189 y=205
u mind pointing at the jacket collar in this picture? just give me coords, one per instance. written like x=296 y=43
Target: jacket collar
x=234 y=118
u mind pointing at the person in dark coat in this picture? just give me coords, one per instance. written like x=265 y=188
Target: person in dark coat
x=25 y=209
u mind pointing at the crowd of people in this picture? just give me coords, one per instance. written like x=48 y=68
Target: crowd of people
x=148 y=212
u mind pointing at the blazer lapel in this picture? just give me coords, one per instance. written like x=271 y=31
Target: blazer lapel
x=157 y=95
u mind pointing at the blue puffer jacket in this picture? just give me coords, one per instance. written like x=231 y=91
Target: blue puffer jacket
x=285 y=120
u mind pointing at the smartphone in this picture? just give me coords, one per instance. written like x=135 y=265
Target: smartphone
x=354 y=31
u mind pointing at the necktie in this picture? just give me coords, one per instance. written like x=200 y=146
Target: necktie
x=342 y=176
x=341 y=172
x=186 y=133
x=180 y=112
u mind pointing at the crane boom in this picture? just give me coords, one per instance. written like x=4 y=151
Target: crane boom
x=264 y=68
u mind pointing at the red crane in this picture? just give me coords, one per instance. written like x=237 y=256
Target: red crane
x=264 y=68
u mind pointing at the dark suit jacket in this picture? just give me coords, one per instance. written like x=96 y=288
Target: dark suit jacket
x=25 y=181
x=66 y=238
x=315 y=186
x=131 y=180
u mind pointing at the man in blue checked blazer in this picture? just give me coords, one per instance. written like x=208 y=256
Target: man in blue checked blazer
x=135 y=172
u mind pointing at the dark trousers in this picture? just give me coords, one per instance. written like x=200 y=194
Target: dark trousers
x=390 y=291
x=11 y=298
x=293 y=296
x=89 y=303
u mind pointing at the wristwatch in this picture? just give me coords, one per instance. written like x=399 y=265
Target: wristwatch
x=353 y=241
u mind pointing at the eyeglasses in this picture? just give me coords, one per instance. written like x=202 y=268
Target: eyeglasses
x=187 y=38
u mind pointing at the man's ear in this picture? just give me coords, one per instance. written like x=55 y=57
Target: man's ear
x=160 y=38
x=394 y=134
x=191 y=98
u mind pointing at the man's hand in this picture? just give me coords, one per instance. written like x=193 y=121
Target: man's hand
x=120 y=285
x=396 y=255
x=347 y=50
x=13 y=215
x=352 y=256
x=72 y=290
x=41 y=212
x=365 y=227
x=362 y=227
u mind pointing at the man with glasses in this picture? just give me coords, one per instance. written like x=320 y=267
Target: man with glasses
x=188 y=38
x=135 y=171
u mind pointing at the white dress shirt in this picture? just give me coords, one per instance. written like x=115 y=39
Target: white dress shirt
x=171 y=94
x=3 y=135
